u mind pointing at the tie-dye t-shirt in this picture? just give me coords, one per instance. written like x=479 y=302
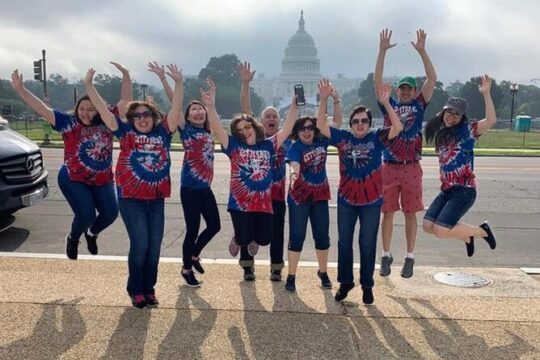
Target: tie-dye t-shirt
x=251 y=175
x=87 y=150
x=198 y=165
x=312 y=183
x=360 y=160
x=407 y=145
x=278 y=183
x=142 y=170
x=456 y=159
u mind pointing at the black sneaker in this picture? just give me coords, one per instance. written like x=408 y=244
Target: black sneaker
x=407 y=270
x=138 y=301
x=470 y=246
x=325 y=280
x=151 y=301
x=190 y=279
x=72 y=248
x=343 y=291
x=249 y=273
x=91 y=243
x=367 y=296
x=197 y=265
x=290 y=283
x=275 y=275
x=490 y=238
x=386 y=261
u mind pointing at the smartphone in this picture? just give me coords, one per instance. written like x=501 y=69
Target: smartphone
x=299 y=92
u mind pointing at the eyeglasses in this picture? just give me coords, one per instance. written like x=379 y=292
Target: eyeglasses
x=453 y=113
x=306 y=128
x=141 y=115
x=246 y=127
x=360 y=121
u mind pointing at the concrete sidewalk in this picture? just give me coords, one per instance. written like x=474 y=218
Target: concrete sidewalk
x=55 y=308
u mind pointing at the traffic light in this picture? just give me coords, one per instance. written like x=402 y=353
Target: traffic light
x=38 y=70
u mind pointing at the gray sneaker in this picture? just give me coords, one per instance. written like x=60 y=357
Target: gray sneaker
x=386 y=261
x=407 y=270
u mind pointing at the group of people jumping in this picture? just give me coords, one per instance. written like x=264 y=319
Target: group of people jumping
x=379 y=169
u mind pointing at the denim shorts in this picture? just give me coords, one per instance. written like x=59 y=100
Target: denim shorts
x=450 y=206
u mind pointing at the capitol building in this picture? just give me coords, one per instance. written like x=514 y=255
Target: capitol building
x=300 y=65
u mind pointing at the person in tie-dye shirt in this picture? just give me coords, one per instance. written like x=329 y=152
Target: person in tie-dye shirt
x=85 y=178
x=143 y=180
x=360 y=187
x=454 y=137
x=197 y=174
x=252 y=156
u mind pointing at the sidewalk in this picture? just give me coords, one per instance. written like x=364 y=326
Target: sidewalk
x=55 y=308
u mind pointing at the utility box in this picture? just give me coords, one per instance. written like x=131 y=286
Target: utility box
x=522 y=123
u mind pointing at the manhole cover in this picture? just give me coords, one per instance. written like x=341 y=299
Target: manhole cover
x=461 y=279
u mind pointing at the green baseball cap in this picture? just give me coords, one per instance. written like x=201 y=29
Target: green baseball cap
x=407 y=80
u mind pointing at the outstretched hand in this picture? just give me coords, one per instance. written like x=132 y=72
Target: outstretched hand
x=246 y=75
x=485 y=86
x=384 y=40
x=89 y=78
x=16 y=80
x=157 y=69
x=325 y=88
x=208 y=97
x=120 y=67
x=420 y=44
x=175 y=73
x=384 y=93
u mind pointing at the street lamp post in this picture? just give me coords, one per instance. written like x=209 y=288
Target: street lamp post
x=513 y=90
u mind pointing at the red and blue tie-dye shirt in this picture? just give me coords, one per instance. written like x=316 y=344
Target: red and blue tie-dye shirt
x=312 y=183
x=87 y=150
x=407 y=145
x=251 y=175
x=198 y=165
x=456 y=159
x=360 y=160
x=278 y=183
x=142 y=170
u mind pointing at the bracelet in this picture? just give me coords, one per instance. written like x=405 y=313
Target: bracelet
x=337 y=101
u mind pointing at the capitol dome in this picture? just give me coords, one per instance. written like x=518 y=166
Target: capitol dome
x=301 y=54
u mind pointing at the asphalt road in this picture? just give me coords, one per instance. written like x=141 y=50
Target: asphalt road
x=508 y=196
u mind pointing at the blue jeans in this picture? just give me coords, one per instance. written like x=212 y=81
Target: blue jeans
x=317 y=213
x=369 y=217
x=144 y=220
x=85 y=200
x=450 y=205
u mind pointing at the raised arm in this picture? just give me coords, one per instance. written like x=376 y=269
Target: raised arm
x=30 y=99
x=384 y=99
x=325 y=90
x=336 y=116
x=384 y=45
x=208 y=98
x=485 y=88
x=159 y=70
x=126 y=93
x=288 y=124
x=246 y=75
x=98 y=102
x=175 y=118
x=431 y=76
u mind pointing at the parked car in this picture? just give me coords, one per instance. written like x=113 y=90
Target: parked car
x=23 y=177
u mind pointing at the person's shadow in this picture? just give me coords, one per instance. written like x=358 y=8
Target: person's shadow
x=129 y=338
x=187 y=334
x=52 y=335
x=456 y=343
x=13 y=238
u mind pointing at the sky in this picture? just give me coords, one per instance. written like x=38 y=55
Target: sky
x=465 y=38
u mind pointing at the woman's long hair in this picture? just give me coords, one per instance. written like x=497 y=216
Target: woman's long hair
x=259 y=130
x=435 y=130
x=96 y=120
x=300 y=122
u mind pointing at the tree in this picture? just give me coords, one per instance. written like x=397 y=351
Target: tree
x=475 y=101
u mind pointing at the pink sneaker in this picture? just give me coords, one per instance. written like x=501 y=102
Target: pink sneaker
x=234 y=248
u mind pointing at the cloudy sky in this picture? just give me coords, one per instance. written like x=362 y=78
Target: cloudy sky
x=465 y=37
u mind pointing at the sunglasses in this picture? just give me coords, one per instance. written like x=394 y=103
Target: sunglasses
x=248 y=126
x=360 y=121
x=141 y=115
x=306 y=128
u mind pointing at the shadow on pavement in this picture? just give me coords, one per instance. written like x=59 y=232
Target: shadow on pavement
x=12 y=238
x=53 y=334
x=129 y=338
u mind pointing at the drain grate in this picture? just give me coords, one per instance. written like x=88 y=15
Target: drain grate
x=461 y=279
